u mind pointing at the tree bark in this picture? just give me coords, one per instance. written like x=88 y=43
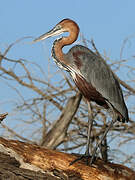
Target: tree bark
x=10 y=170
x=19 y=160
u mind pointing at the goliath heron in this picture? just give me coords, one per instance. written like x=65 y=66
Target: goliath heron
x=90 y=73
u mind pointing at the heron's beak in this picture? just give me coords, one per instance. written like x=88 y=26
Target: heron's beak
x=57 y=30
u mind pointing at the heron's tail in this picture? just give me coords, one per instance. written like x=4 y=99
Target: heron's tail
x=123 y=119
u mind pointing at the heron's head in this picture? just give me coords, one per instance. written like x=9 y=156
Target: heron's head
x=66 y=25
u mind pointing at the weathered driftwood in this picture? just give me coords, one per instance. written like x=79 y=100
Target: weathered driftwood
x=21 y=160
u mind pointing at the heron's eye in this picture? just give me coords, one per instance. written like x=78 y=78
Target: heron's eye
x=58 y=27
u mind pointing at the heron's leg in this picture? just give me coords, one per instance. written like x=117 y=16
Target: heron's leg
x=98 y=144
x=102 y=138
x=89 y=132
x=114 y=119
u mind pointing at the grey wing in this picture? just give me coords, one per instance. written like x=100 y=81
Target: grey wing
x=98 y=74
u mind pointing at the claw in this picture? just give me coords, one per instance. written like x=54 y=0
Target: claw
x=84 y=156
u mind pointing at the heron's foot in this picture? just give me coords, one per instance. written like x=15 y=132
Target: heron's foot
x=88 y=158
x=84 y=156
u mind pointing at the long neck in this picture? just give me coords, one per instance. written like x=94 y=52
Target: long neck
x=57 y=52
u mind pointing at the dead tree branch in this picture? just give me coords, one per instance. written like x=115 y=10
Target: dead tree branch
x=39 y=159
x=58 y=132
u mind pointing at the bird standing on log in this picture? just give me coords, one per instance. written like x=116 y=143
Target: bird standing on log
x=90 y=73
